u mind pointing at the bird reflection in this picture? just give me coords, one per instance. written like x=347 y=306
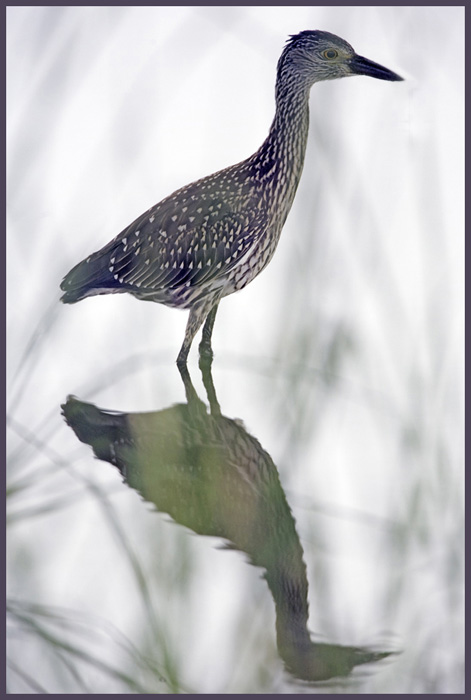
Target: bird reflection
x=209 y=474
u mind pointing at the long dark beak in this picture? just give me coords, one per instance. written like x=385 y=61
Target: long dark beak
x=363 y=66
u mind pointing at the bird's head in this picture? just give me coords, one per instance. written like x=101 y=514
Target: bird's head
x=315 y=55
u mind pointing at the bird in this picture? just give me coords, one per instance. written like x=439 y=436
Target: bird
x=212 y=237
x=212 y=476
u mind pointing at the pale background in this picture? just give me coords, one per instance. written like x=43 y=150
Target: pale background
x=344 y=358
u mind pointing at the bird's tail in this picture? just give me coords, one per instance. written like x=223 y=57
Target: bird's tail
x=89 y=277
x=100 y=429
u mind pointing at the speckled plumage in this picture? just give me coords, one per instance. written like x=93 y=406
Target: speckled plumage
x=212 y=237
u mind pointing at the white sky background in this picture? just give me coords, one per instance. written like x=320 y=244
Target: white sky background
x=110 y=110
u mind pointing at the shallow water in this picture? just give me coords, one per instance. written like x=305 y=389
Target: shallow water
x=343 y=360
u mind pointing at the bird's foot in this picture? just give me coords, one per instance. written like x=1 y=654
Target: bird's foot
x=206 y=355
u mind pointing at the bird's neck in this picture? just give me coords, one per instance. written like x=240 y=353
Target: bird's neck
x=281 y=156
x=289 y=588
x=289 y=130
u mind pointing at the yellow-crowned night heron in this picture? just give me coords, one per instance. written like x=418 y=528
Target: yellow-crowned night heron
x=210 y=475
x=211 y=238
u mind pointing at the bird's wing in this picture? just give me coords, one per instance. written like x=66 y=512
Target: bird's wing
x=190 y=245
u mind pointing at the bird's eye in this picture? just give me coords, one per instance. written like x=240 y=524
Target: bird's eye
x=330 y=54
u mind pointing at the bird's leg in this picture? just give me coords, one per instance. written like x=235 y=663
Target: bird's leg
x=210 y=390
x=196 y=406
x=205 y=362
x=206 y=352
x=195 y=319
x=191 y=395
